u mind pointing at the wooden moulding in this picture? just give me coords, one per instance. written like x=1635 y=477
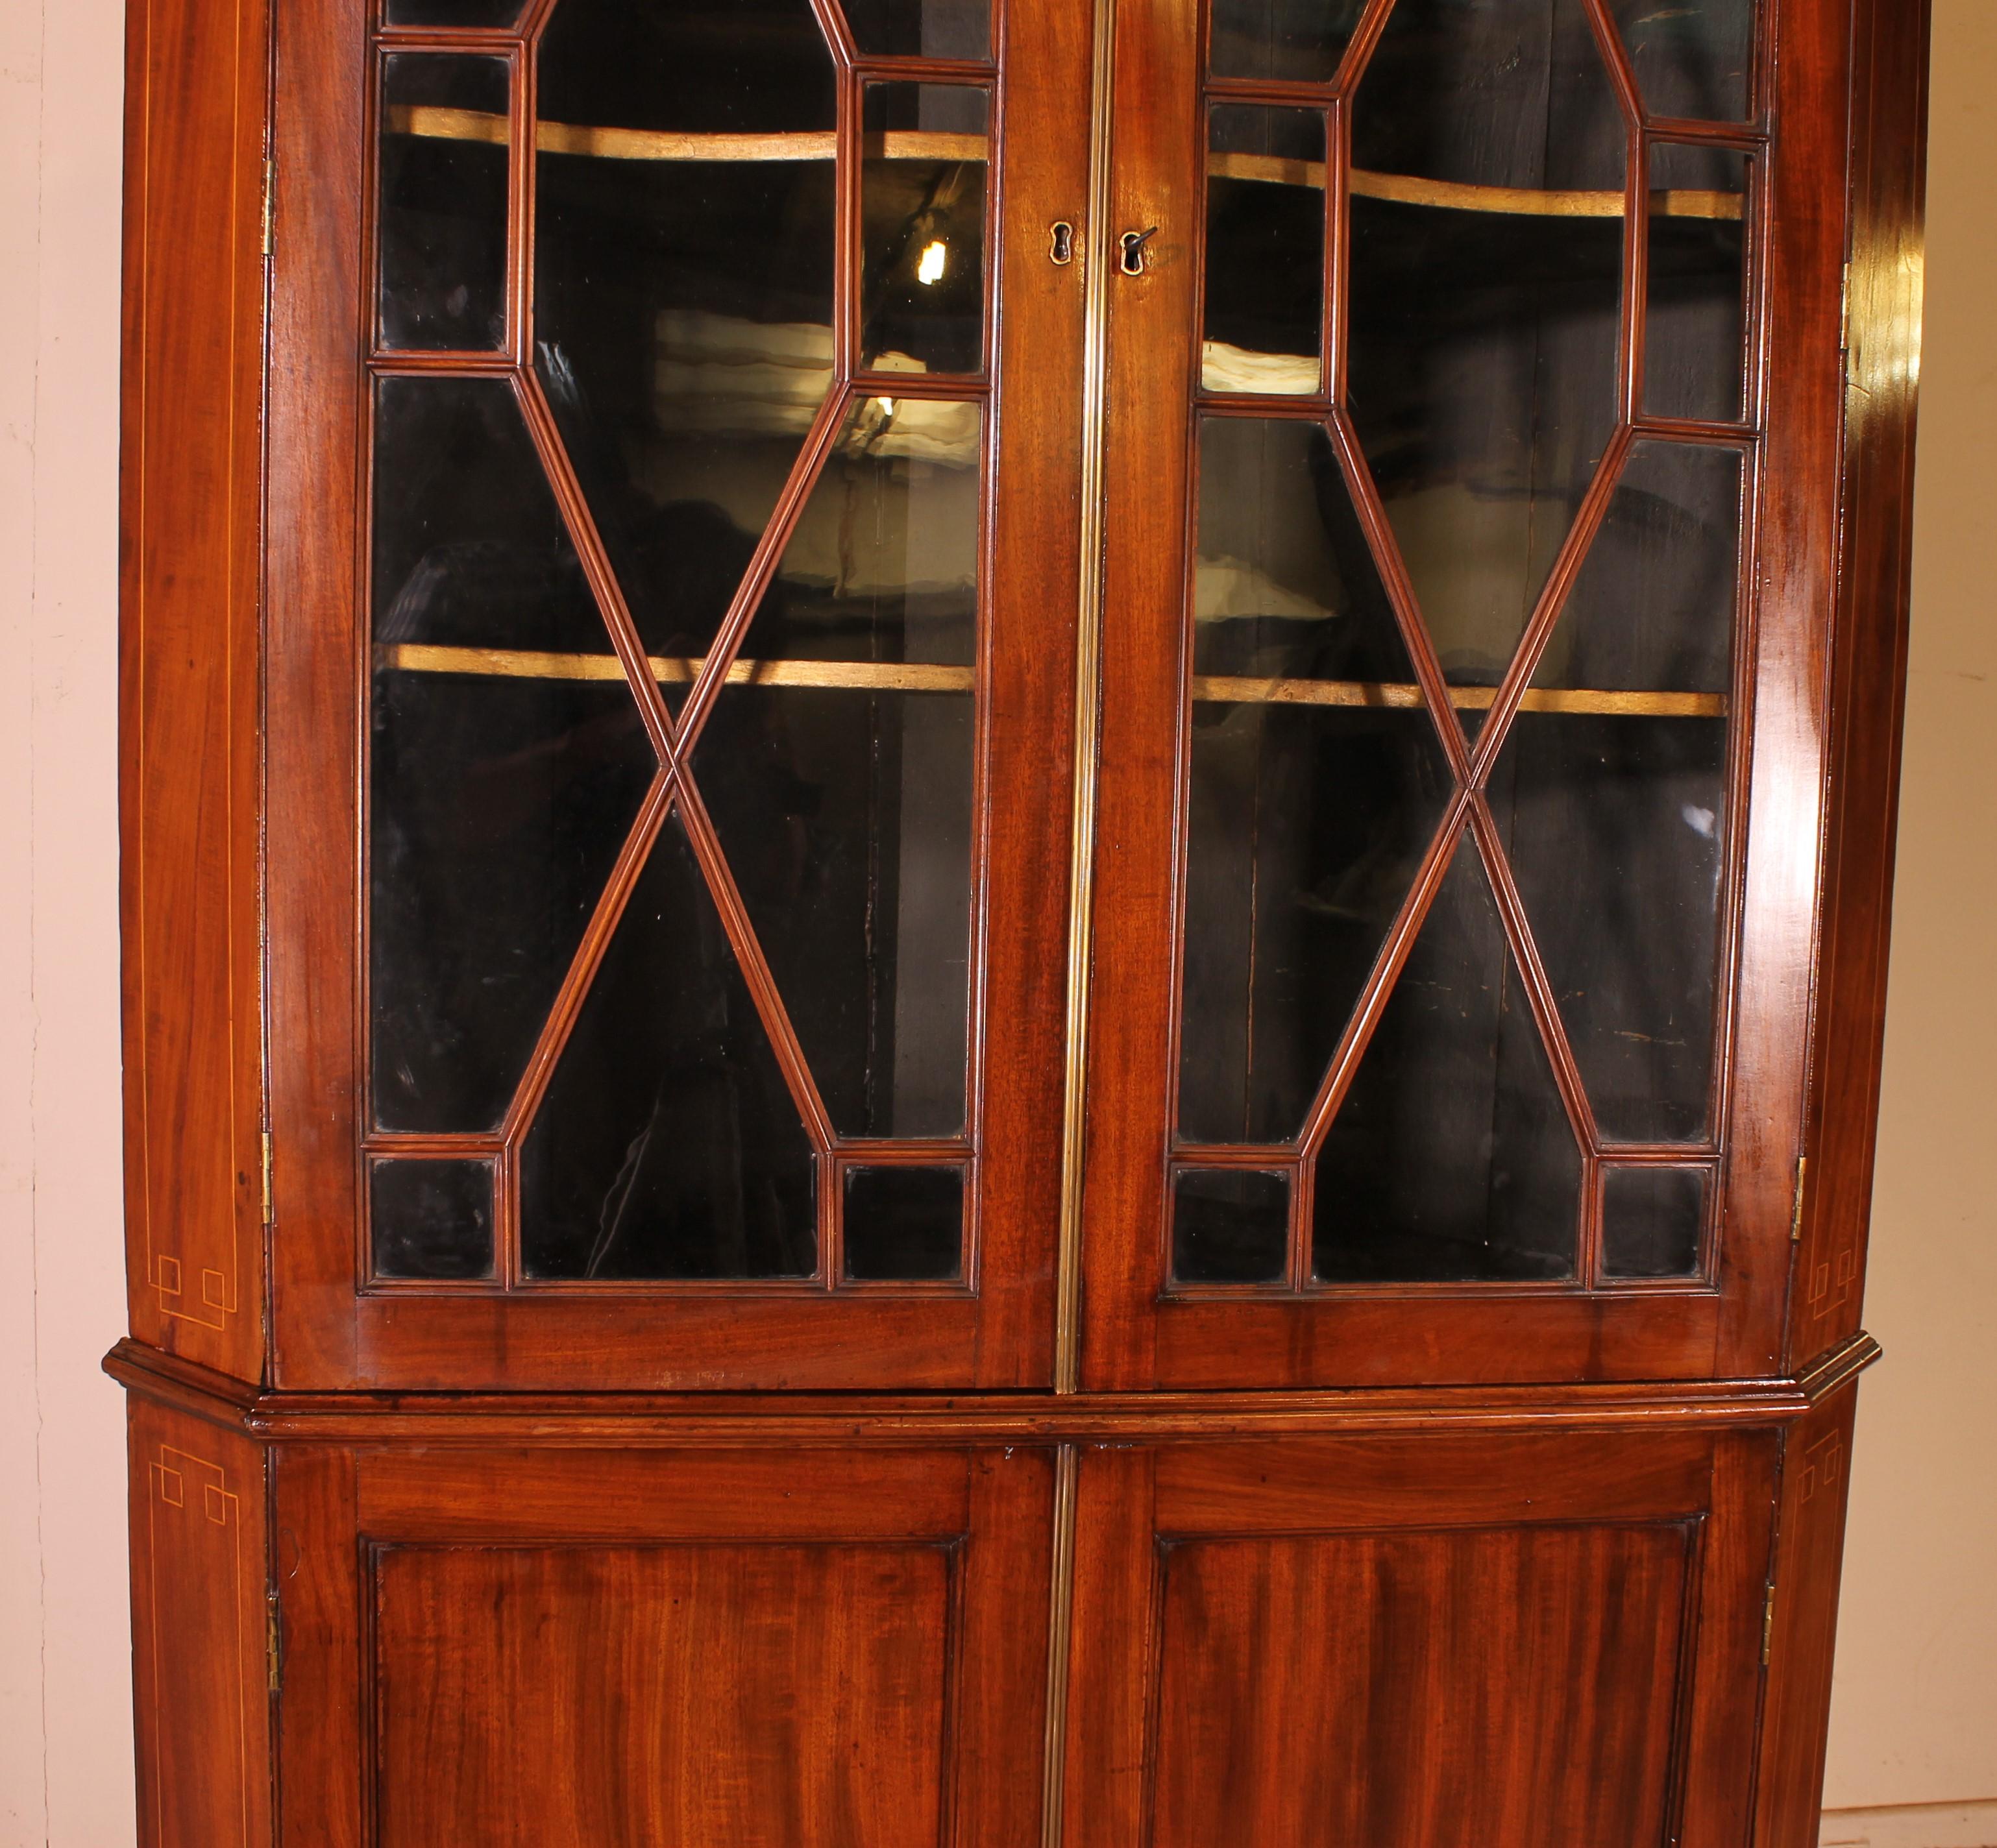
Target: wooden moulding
x=1400 y=189
x=643 y=1418
x=916 y=676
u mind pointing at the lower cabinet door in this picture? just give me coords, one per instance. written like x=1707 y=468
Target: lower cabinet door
x=1544 y=1640
x=568 y=1649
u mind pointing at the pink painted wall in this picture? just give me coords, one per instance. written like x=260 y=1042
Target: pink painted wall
x=1916 y=1715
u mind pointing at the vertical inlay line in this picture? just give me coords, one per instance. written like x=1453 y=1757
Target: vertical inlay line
x=1087 y=704
x=1060 y=1613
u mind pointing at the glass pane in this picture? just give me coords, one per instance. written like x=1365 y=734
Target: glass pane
x=1651 y=1220
x=1451 y=1159
x=1692 y=56
x=1652 y=607
x=432 y=1219
x=1487 y=244
x=508 y=758
x=1265 y=228
x=443 y=230
x=683 y=280
x=1614 y=802
x=1316 y=779
x=1696 y=326
x=838 y=766
x=1616 y=827
x=451 y=12
x=668 y=1145
x=903 y=1224
x=937 y=29
x=922 y=230
x=1230 y=1225
x=1300 y=40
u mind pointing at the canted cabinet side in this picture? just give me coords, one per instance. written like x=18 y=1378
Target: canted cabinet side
x=197 y=89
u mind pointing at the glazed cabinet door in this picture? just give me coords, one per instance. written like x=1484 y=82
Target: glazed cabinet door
x=1457 y=723
x=1538 y=1640
x=762 y=1648
x=673 y=461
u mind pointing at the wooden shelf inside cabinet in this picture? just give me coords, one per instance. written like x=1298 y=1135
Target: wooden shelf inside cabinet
x=916 y=677
x=1404 y=189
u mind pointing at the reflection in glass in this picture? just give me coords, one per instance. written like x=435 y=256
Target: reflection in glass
x=1695 y=324
x=1264 y=264
x=937 y=29
x=500 y=794
x=1615 y=827
x=1692 y=56
x=683 y=281
x=1652 y=609
x=1483 y=325
x=1652 y=1221
x=1317 y=782
x=1230 y=1225
x=841 y=793
x=1451 y=1158
x=431 y=1219
x=903 y=1224
x=1298 y=40
x=668 y=1145
x=442 y=231
x=924 y=165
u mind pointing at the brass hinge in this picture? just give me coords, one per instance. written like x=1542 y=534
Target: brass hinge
x=1796 y=1205
x=269 y=1215
x=1768 y=1625
x=270 y=206
x=1844 y=312
x=273 y=1640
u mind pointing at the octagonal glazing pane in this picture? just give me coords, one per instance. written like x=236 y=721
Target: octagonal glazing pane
x=1489 y=156
x=1694 y=59
x=684 y=265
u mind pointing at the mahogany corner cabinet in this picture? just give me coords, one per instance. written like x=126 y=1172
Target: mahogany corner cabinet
x=1005 y=911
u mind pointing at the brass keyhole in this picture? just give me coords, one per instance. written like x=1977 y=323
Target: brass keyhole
x=1061 y=242
x=1133 y=243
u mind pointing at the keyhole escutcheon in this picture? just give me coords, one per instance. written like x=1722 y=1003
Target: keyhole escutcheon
x=1133 y=243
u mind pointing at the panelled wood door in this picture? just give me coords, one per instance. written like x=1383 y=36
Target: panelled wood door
x=755 y=1647
x=1457 y=740
x=669 y=763
x=693 y=422
x=1508 y=1639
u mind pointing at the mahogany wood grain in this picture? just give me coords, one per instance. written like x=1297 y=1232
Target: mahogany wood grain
x=1868 y=692
x=190 y=494
x=746 y=1694
x=1816 y=1472
x=641 y=1421
x=200 y=1681
x=1363 y=1640
x=809 y=1645
x=1512 y=1688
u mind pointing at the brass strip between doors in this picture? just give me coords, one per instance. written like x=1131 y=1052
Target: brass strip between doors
x=434 y=123
x=918 y=676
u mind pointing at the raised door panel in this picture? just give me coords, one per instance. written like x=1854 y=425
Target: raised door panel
x=670 y=706
x=1549 y=1642
x=1457 y=718
x=508 y=1649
